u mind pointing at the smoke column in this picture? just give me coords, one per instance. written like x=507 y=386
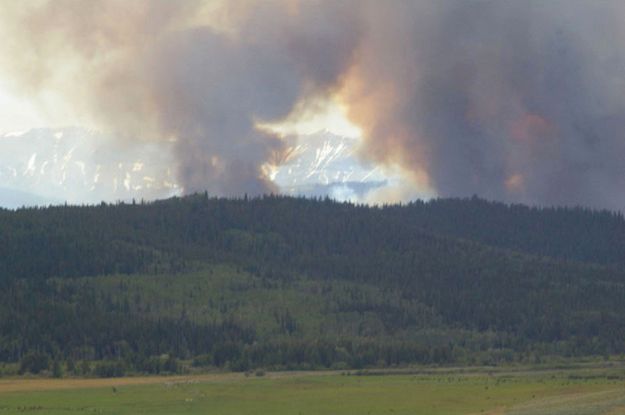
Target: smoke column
x=521 y=101
x=200 y=74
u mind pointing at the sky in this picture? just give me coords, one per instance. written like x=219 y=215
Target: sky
x=17 y=114
x=522 y=102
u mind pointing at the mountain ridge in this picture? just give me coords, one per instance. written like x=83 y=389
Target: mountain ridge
x=85 y=166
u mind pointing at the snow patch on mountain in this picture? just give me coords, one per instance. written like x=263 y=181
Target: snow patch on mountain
x=78 y=165
x=82 y=166
x=324 y=164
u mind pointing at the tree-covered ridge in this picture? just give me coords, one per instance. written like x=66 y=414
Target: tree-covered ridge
x=341 y=284
x=92 y=240
x=573 y=233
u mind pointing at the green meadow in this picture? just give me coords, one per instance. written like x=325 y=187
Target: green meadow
x=584 y=391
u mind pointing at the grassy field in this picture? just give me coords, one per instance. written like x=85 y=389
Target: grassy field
x=579 y=391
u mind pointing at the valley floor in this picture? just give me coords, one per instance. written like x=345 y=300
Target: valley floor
x=582 y=390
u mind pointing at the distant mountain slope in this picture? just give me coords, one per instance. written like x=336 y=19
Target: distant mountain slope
x=324 y=164
x=83 y=166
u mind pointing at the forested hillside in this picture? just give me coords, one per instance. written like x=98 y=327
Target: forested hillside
x=279 y=282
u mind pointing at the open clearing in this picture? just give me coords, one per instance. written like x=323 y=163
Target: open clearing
x=578 y=391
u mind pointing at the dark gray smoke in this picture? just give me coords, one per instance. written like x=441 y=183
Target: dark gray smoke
x=201 y=74
x=214 y=88
x=511 y=100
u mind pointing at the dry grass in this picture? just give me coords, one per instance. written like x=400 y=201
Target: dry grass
x=44 y=384
x=448 y=391
x=36 y=384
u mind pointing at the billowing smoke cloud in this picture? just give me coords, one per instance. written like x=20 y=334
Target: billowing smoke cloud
x=511 y=100
x=201 y=74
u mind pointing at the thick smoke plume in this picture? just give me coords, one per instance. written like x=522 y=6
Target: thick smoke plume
x=512 y=100
x=201 y=74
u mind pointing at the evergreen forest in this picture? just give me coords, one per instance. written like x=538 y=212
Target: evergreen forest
x=276 y=282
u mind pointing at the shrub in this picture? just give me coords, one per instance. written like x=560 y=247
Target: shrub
x=203 y=360
x=34 y=362
x=110 y=369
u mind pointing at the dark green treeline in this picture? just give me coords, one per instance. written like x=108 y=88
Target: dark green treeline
x=447 y=281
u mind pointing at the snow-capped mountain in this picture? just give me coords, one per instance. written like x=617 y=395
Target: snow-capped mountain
x=324 y=164
x=81 y=166
x=75 y=165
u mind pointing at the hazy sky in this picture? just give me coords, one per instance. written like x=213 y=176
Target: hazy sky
x=518 y=101
x=17 y=113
